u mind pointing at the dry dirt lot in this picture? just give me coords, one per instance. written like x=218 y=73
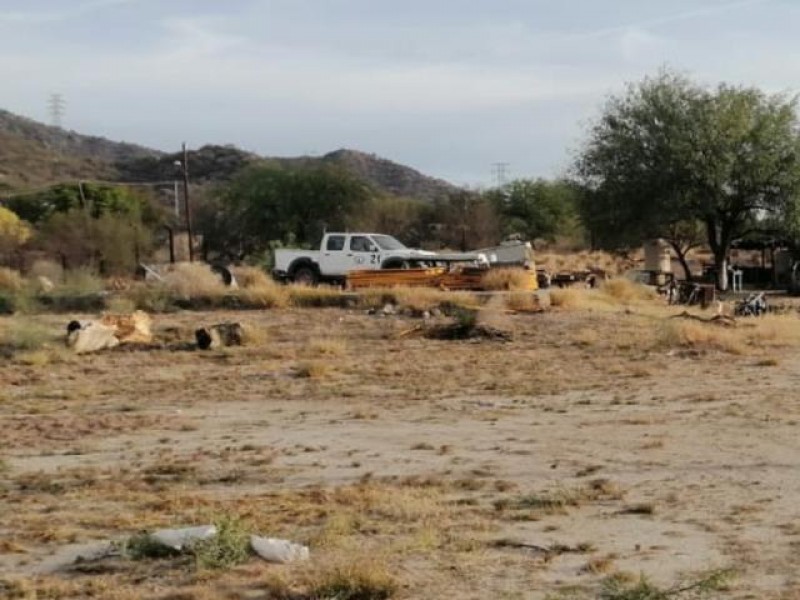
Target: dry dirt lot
x=596 y=444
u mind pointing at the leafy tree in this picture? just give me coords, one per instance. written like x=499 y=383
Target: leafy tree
x=264 y=204
x=537 y=208
x=669 y=152
x=93 y=198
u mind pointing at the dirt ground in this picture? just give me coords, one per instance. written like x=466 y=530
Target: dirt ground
x=589 y=446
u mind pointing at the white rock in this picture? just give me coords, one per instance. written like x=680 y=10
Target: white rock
x=278 y=551
x=92 y=337
x=180 y=538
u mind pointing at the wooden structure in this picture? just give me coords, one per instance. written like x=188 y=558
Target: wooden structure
x=455 y=278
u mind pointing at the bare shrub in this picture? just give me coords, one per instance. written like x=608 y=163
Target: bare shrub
x=10 y=280
x=509 y=279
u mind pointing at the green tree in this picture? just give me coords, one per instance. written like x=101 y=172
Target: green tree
x=264 y=204
x=670 y=152
x=537 y=208
x=94 y=198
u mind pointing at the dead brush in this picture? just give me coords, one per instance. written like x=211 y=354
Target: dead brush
x=193 y=280
x=10 y=281
x=508 y=279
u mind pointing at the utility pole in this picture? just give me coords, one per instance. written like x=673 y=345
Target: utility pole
x=185 y=169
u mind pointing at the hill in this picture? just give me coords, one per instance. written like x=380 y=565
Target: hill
x=33 y=154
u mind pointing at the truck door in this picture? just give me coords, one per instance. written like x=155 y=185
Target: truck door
x=364 y=254
x=334 y=260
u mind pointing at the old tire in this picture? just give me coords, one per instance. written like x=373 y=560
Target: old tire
x=305 y=275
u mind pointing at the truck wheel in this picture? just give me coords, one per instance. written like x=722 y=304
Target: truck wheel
x=304 y=276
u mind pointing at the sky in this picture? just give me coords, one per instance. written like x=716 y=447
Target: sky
x=449 y=87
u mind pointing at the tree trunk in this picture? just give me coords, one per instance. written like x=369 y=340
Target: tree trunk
x=719 y=239
x=681 y=254
x=721 y=263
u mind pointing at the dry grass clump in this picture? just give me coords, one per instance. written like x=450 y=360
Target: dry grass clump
x=568 y=298
x=509 y=279
x=312 y=369
x=251 y=277
x=10 y=280
x=697 y=335
x=81 y=281
x=746 y=336
x=265 y=295
x=24 y=335
x=190 y=280
x=523 y=302
x=321 y=296
x=626 y=292
x=364 y=579
x=252 y=335
x=422 y=298
x=327 y=347
x=581 y=261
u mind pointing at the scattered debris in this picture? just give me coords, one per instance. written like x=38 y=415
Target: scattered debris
x=755 y=305
x=219 y=336
x=461 y=331
x=109 y=332
x=179 y=539
x=722 y=320
x=278 y=551
x=131 y=329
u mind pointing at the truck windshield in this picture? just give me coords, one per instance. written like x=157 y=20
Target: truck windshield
x=387 y=242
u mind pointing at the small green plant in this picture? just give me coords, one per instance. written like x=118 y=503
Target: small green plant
x=230 y=547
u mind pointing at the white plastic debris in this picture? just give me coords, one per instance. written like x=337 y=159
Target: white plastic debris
x=278 y=551
x=178 y=539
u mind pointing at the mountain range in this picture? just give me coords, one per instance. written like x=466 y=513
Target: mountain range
x=33 y=154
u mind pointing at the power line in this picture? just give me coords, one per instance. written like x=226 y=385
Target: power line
x=56 y=105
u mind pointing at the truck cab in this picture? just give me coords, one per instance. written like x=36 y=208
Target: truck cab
x=340 y=253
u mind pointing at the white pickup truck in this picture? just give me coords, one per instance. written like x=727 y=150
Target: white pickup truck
x=343 y=252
